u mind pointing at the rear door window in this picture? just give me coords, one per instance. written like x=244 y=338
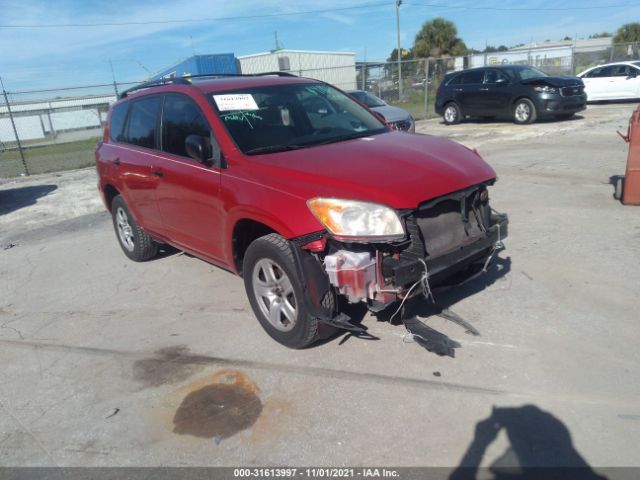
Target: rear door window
x=181 y=117
x=473 y=77
x=600 y=72
x=143 y=122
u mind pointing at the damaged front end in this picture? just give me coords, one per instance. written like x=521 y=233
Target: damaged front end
x=442 y=237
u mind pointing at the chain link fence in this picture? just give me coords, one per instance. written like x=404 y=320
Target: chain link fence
x=53 y=130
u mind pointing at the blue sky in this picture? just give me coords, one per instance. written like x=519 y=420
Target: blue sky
x=49 y=57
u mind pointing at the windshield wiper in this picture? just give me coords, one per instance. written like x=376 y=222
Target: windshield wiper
x=272 y=149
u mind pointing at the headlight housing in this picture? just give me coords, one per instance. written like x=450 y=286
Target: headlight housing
x=545 y=89
x=356 y=221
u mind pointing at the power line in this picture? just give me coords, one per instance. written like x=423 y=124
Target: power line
x=309 y=12
x=195 y=20
x=522 y=9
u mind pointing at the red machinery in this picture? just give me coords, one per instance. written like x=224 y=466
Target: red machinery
x=628 y=188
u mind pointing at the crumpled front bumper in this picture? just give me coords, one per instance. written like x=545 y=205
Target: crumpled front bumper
x=407 y=271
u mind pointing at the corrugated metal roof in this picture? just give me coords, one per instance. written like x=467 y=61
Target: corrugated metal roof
x=58 y=103
x=603 y=42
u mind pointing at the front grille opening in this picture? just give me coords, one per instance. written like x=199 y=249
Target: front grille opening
x=451 y=223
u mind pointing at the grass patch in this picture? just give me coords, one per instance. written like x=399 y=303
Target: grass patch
x=414 y=104
x=49 y=158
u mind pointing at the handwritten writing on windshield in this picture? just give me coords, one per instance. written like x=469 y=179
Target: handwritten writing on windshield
x=242 y=116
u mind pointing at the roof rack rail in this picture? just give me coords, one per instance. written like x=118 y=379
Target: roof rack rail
x=185 y=80
x=155 y=83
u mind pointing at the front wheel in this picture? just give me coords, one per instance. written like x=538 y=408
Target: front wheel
x=524 y=111
x=135 y=243
x=275 y=293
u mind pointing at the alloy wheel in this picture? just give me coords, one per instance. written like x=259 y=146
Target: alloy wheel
x=274 y=294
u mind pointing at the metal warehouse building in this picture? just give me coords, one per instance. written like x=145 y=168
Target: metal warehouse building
x=201 y=64
x=337 y=68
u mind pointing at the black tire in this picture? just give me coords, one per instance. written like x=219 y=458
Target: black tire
x=619 y=191
x=135 y=243
x=275 y=250
x=565 y=116
x=451 y=114
x=524 y=111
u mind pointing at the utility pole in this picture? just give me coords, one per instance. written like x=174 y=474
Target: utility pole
x=15 y=130
x=278 y=46
x=363 y=71
x=398 y=3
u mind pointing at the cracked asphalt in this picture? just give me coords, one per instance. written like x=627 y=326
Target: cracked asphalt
x=105 y=362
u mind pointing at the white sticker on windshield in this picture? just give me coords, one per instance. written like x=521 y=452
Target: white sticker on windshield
x=235 y=101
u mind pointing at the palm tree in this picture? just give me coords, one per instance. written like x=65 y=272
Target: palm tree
x=628 y=33
x=437 y=38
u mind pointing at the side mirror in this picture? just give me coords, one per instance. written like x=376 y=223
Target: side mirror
x=197 y=148
x=632 y=75
x=502 y=81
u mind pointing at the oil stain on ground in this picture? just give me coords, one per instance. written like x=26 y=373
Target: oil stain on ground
x=167 y=365
x=226 y=406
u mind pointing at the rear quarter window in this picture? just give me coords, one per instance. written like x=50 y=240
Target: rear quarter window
x=118 y=117
x=455 y=80
x=473 y=77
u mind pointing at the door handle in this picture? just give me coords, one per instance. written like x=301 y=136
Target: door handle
x=457 y=89
x=157 y=173
x=484 y=89
x=116 y=161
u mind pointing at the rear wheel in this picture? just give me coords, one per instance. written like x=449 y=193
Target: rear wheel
x=451 y=114
x=135 y=243
x=275 y=293
x=524 y=111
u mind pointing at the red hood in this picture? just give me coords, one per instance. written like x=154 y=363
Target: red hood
x=396 y=169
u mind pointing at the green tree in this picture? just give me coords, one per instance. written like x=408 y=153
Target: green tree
x=628 y=33
x=408 y=68
x=437 y=38
x=601 y=35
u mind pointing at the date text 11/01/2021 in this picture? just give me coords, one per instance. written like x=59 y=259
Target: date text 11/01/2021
x=315 y=472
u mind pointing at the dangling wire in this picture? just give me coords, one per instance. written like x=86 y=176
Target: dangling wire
x=497 y=246
x=426 y=289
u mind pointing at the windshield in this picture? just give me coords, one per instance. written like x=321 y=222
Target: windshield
x=529 y=72
x=286 y=117
x=369 y=99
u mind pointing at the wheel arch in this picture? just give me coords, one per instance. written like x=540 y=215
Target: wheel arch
x=520 y=97
x=110 y=192
x=243 y=233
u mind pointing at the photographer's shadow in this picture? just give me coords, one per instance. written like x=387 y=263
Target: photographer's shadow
x=540 y=447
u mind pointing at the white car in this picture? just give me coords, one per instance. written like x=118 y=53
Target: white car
x=613 y=81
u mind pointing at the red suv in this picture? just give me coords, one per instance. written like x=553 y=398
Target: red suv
x=312 y=206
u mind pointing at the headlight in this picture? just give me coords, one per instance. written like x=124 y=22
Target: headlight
x=355 y=221
x=545 y=89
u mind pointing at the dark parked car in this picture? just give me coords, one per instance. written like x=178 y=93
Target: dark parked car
x=299 y=189
x=396 y=118
x=525 y=93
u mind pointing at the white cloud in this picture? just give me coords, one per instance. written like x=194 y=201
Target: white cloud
x=338 y=18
